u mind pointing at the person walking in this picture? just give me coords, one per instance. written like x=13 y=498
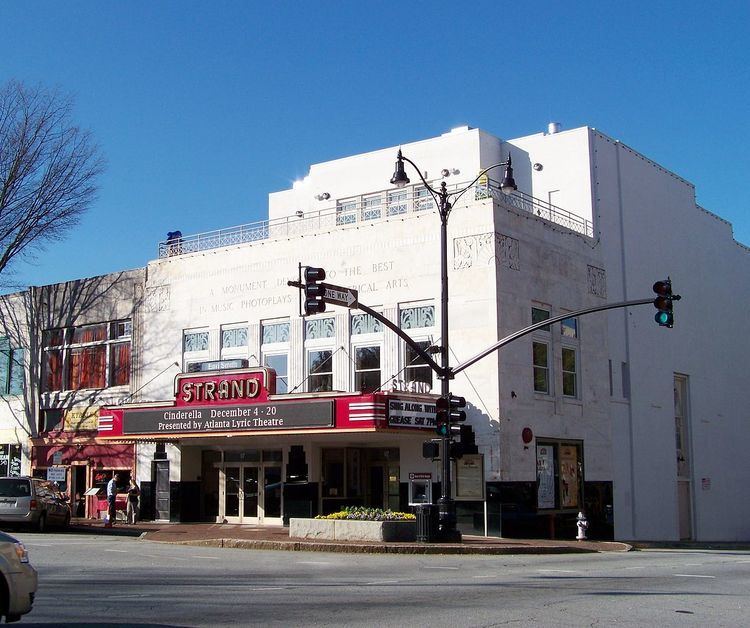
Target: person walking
x=133 y=494
x=111 y=500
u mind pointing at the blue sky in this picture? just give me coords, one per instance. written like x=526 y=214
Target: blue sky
x=203 y=108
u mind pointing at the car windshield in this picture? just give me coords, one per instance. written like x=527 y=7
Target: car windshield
x=14 y=488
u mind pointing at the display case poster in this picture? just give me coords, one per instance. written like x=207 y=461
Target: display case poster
x=469 y=484
x=545 y=476
x=569 y=476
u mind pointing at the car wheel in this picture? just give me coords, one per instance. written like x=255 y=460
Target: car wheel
x=41 y=525
x=4 y=597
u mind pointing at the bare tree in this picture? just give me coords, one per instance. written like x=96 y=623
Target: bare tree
x=48 y=170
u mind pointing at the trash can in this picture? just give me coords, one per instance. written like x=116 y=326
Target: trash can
x=427 y=523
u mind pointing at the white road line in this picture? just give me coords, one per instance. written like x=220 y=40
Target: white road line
x=438 y=567
x=557 y=571
x=382 y=582
x=206 y=557
x=118 y=551
x=268 y=589
x=634 y=567
x=690 y=575
x=311 y=562
x=485 y=576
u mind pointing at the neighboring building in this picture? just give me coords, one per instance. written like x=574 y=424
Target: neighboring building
x=582 y=415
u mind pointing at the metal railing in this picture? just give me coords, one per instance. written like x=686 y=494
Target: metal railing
x=367 y=208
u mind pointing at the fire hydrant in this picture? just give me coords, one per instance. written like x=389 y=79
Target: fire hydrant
x=583 y=525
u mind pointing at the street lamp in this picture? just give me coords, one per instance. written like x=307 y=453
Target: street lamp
x=447 y=530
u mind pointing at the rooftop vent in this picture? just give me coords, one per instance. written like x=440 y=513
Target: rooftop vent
x=553 y=127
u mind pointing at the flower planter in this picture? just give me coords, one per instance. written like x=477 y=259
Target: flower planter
x=352 y=530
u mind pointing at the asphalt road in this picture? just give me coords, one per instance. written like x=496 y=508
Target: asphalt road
x=88 y=580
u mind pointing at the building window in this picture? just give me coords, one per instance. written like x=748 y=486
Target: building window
x=274 y=333
x=367 y=369
x=371 y=207
x=346 y=212
x=87 y=356
x=279 y=362
x=234 y=337
x=11 y=369
x=417 y=317
x=195 y=341
x=365 y=324
x=569 y=372
x=320 y=370
x=540 y=352
x=415 y=367
x=569 y=328
x=316 y=328
x=275 y=351
x=396 y=202
x=10 y=460
x=538 y=315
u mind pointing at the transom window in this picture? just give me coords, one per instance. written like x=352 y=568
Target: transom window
x=233 y=338
x=538 y=315
x=316 y=328
x=195 y=341
x=365 y=324
x=417 y=317
x=275 y=332
x=569 y=327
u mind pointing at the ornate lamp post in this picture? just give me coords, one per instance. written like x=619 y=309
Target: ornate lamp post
x=445 y=201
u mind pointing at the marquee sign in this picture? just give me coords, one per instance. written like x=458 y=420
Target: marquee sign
x=212 y=419
x=405 y=412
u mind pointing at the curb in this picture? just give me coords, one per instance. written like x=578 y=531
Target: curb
x=395 y=548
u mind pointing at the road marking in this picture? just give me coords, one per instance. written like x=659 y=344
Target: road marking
x=557 y=571
x=206 y=557
x=690 y=575
x=119 y=551
x=311 y=562
x=382 y=582
x=439 y=567
x=268 y=589
x=485 y=576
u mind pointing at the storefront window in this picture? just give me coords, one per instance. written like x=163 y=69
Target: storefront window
x=415 y=367
x=559 y=475
x=280 y=364
x=10 y=460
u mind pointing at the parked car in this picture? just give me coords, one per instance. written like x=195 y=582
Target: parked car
x=18 y=579
x=32 y=501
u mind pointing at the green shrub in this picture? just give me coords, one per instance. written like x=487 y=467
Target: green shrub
x=360 y=513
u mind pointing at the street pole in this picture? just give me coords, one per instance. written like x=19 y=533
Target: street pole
x=447 y=530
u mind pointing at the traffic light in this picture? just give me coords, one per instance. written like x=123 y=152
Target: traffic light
x=449 y=410
x=314 y=291
x=431 y=449
x=663 y=303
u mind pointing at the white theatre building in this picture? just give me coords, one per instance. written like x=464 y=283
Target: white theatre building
x=199 y=375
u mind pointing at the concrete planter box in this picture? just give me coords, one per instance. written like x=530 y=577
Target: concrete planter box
x=351 y=530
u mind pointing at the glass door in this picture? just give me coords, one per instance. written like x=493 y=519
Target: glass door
x=244 y=502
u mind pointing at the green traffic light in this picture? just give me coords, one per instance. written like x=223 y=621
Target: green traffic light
x=664 y=319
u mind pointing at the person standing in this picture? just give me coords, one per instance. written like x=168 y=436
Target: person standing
x=111 y=500
x=133 y=494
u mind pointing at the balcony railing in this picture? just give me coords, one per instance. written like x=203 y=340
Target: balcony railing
x=364 y=209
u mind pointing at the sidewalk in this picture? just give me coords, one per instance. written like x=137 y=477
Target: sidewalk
x=277 y=538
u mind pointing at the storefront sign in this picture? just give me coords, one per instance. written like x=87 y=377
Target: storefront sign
x=229 y=418
x=220 y=390
x=407 y=413
x=56 y=474
x=81 y=419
